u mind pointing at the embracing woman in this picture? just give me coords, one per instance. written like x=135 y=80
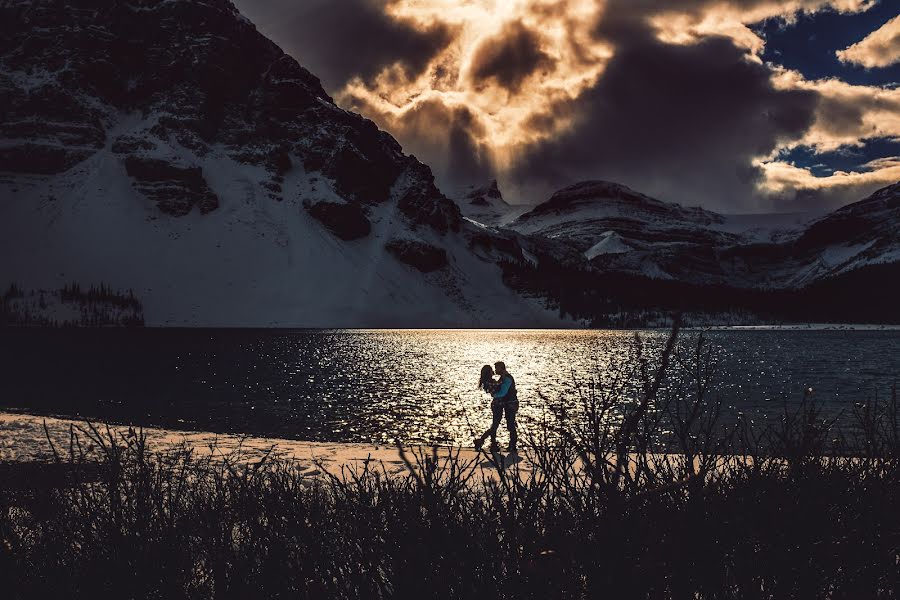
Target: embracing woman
x=503 y=401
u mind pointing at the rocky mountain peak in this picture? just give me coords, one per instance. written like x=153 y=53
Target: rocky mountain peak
x=604 y=200
x=871 y=220
x=595 y=192
x=886 y=198
x=484 y=203
x=172 y=81
x=485 y=195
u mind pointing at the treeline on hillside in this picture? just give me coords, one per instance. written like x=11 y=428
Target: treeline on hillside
x=867 y=295
x=72 y=292
x=70 y=306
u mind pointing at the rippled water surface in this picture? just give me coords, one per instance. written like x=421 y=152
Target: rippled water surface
x=416 y=385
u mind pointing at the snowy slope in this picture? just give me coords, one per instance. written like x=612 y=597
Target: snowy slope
x=852 y=237
x=764 y=227
x=610 y=243
x=252 y=262
x=485 y=204
x=593 y=201
x=165 y=146
x=616 y=229
x=651 y=238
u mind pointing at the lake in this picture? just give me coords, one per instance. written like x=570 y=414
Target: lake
x=415 y=385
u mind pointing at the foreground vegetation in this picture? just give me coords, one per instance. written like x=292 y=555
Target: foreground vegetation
x=644 y=495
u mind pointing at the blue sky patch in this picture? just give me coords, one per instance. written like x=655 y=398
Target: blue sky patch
x=809 y=45
x=843 y=159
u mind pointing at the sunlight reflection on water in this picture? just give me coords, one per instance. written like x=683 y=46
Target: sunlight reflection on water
x=415 y=385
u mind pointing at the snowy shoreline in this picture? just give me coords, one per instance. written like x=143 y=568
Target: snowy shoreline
x=23 y=440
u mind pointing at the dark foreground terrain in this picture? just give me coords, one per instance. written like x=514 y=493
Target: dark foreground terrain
x=646 y=497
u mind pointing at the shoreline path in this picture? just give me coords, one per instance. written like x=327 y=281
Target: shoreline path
x=24 y=440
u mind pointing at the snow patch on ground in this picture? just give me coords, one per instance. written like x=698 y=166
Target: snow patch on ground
x=610 y=243
x=478 y=224
x=24 y=439
x=838 y=255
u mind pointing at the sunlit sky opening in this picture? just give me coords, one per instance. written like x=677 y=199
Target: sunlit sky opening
x=735 y=105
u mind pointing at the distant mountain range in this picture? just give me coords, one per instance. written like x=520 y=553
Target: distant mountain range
x=603 y=236
x=167 y=148
x=619 y=230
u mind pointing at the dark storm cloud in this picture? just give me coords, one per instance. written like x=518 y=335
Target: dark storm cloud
x=682 y=122
x=840 y=117
x=454 y=154
x=846 y=115
x=509 y=57
x=341 y=39
x=819 y=200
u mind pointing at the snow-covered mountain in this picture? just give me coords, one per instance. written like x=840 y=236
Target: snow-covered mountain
x=852 y=237
x=619 y=229
x=575 y=211
x=615 y=229
x=486 y=205
x=167 y=147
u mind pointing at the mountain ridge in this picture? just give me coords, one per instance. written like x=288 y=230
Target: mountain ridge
x=628 y=267
x=665 y=240
x=166 y=146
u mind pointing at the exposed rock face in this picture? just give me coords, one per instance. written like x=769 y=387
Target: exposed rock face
x=126 y=144
x=175 y=189
x=422 y=203
x=417 y=254
x=485 y=204
x=861 y=234
x=44 y=129
x=484 y=195
x=345 y=220
x=41 y=159
x=192 y=77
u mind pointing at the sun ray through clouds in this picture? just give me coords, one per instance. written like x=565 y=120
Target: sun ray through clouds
x=508 y=66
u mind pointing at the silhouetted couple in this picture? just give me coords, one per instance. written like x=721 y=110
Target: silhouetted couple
x=503 y=401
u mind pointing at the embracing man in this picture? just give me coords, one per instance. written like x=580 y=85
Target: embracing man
x=505 y=401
